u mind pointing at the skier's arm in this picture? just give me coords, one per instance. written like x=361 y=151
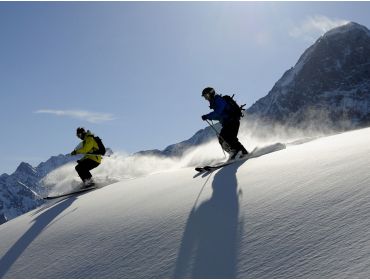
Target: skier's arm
x=87 y=146
x=220 y=105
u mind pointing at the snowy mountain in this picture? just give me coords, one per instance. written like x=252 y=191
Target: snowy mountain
x=302 y=212
x=200 y=137
x=22 y=191
x=330 y=84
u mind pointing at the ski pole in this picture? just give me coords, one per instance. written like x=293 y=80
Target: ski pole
x=218 y=135
x=213 y=128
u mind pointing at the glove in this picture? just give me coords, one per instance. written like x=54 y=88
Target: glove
x=204 y=117
x=73 y=153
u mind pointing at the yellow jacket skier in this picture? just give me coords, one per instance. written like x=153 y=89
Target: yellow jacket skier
x=90 y=160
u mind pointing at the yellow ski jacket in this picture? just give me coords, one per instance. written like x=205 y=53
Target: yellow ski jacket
x=89 y=146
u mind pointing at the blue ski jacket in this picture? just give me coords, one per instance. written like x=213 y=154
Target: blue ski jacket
x=218 y=104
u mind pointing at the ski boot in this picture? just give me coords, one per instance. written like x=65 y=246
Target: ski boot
x=88 y=184
x=233 y=155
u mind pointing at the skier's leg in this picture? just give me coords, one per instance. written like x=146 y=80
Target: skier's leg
x=230 y=134
x=233 y=129
x=90 y=164
x=228 y=141
x=83 y=168
x=222 y=139
x=239 y=145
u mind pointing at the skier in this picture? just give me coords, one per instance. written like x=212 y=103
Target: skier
x=90 y=160
x=228 y=136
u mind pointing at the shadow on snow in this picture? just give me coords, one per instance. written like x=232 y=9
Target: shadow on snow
x=40 y=223
x=211 y=238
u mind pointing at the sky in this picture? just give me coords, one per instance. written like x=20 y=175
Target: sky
x=133 y=72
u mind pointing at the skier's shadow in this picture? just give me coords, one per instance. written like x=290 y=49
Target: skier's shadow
x=211 y=239
x=39 y=224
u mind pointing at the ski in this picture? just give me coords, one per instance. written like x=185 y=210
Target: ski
x=74 y=192
x=257 y=152
x=211 y=167
x=219 y=165
x=222 y=164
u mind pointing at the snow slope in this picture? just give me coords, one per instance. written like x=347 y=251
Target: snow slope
x=302 y=212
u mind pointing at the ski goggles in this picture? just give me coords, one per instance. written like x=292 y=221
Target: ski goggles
x=206 y=95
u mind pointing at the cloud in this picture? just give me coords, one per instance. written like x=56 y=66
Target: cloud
x=90 y=117
x=315 y=26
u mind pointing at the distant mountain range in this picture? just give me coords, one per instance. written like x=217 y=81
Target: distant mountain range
x=329 y=85
x=22 y=191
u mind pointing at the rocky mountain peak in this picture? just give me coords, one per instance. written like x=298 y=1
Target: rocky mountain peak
x=348 y=29
x=331 y=76
x=25 y=168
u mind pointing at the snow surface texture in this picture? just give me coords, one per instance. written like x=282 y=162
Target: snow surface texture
x=302 y=212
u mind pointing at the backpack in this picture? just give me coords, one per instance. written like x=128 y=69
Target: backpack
x=101 y=151
x=233 y=109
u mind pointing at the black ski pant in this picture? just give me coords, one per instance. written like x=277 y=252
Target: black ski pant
x=83 y=168
x=229 y=134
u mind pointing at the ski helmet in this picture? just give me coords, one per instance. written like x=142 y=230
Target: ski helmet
x=208 y=91
x=80 y=132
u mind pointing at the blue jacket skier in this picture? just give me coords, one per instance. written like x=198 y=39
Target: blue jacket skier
x=228 y=136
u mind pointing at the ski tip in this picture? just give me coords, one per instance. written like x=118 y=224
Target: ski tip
x=204 y=169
